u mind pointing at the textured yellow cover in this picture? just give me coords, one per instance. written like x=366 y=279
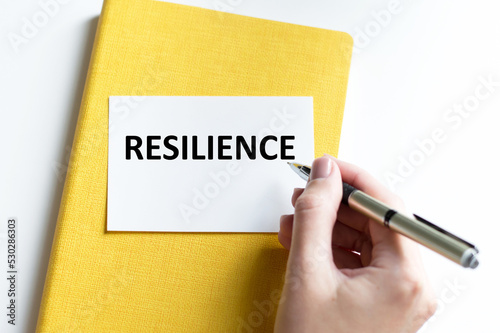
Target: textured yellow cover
x=100 y=281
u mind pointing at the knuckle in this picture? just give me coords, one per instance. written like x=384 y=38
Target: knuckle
x=309 y=201
x=426 y=310
x=396 y=201
x=430 y=307
x=359 y=174
x=393 y=200
x=410 y=286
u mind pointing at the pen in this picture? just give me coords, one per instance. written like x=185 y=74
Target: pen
x=416 y=228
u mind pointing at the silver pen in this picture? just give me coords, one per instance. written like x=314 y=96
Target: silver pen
x=416 y=228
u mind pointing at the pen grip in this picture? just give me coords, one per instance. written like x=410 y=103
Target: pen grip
x=347 y=191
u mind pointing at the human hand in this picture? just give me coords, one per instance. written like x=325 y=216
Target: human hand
x=330 y=288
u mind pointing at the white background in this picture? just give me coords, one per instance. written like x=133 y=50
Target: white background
x=404 y=78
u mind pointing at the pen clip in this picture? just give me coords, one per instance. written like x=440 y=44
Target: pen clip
x=435 y=227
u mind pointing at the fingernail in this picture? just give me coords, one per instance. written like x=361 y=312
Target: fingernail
x=321 y=168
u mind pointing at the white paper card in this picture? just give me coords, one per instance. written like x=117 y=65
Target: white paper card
x=158 y=180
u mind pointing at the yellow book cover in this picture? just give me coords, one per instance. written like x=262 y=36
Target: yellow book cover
x=99 y=281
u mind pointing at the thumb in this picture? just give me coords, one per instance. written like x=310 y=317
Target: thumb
x=315 y=215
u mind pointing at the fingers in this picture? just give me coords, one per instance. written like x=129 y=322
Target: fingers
x=285 y=233
x=345 y=214
x=387 y=245
x=353 y=219
x=296 y=193
x=346 y=259
x=315 y=214
x=343 y=236
x=378 y=245
x=365 y=182
x=350 y=238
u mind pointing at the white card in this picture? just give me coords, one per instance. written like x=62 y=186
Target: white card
x=236 y=180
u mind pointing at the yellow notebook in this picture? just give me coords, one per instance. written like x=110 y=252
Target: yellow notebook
x=100 y=281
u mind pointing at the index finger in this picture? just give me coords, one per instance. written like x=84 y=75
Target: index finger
x=365 y=182
x=387 y=245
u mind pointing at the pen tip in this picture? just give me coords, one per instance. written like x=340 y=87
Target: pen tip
x=294 y=165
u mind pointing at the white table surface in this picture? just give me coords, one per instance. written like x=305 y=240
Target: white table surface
x=405 y=76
